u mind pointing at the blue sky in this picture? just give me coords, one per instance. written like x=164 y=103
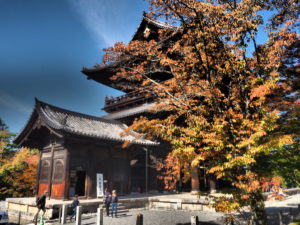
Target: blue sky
x=45 y=44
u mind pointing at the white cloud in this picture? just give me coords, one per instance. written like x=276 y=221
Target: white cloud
x=107 y=20
x=9 y=101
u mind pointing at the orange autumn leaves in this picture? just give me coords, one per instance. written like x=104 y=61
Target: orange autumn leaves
x=18 y=174
x=219 y=102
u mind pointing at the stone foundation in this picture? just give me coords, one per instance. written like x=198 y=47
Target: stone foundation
x=180 y=204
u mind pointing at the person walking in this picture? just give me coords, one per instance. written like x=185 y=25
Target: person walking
x=40 y=204
x=107 y=200
x=75 y=203
x=114 y=203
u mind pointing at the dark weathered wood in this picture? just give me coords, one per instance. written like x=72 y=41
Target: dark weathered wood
x=127 y=101
x=89 y=186
x=99 y=216
x=19 y=218
x=67 y=174
x=38 y=174
x=70 y=161
x=280 y=218
x=139 y=219
x=107 y=158
x=92 y=157
x=51 y=168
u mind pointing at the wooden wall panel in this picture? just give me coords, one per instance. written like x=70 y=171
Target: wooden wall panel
x=42 y=189
x=57 y=190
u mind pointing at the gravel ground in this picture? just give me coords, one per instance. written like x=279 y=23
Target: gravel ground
x=157 y=217
x=168 y=217
x=162 y=217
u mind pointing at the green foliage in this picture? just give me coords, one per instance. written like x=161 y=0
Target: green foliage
x=6 y=145
x=283 y=160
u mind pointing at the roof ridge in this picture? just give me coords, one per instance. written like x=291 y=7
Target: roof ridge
x=40 y=103
x=159 y=23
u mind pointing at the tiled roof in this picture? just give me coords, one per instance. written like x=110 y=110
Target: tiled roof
x=102 y=73
x=66 y=121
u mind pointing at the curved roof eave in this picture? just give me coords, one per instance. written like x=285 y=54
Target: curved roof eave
x=90 y=72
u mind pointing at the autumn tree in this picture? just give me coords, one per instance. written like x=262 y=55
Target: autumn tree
x=17 y=167
x=6 y=146
x=227 y=95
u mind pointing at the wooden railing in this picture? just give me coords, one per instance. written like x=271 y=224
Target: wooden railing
x=113 y=104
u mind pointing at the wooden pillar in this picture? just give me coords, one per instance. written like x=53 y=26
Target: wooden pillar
x=110 y=167
x=128 y=186
x=38 y=174
x=67 y=175
x=67 y=172
x=51 y=166
x=195 y=180
x=139 y=219
x=212 y=184
x=89 y=175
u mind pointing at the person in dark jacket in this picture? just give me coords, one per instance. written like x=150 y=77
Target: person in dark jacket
x=75 y=203
x=40 y=204
x=107 y=200
x=114 y=203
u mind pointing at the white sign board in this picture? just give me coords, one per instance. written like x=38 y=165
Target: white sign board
x=99 y=181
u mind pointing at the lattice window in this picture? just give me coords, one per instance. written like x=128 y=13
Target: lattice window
x=58 y=171
x=44 y=172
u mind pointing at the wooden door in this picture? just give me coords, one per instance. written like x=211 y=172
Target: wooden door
x=43 y=176
x=58 y=183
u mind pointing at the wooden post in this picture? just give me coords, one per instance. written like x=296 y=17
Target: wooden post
x=212 y=184
x=280 y=218
x=194 y=220
x=78 y=215
x=67 y=172
x=63 y=218
x=139 y=219
x=291 y=215
x=19 y=218
x=99 y=216
x=51 y=168
x=59 y=213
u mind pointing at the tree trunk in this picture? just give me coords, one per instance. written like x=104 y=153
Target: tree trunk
x=257 y=206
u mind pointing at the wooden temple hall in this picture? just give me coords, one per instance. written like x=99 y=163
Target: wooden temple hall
x=75 y=147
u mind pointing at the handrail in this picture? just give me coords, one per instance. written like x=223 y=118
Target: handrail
x=109 y=100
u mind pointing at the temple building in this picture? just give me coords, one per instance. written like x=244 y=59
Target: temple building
x=75 y=147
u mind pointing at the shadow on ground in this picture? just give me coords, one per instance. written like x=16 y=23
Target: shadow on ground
x=200 y=222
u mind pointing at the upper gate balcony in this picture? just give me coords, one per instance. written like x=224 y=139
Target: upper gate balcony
x=126 y=101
